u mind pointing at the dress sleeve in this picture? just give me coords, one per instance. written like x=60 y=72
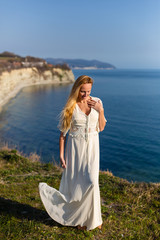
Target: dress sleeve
x=99 y=100
x=65 y=133
x=60 y=128
x=102 y=106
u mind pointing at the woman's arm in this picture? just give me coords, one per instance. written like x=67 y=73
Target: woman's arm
x=62 y=141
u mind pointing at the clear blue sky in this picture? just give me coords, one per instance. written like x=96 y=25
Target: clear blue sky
x=125 y=33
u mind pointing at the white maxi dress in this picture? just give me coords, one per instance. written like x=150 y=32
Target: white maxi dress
x=78 y=200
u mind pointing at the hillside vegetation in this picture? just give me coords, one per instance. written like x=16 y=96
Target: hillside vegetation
x=129 y=210
x=10 y=61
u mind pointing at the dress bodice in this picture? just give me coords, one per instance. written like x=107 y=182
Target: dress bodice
x=83 y=125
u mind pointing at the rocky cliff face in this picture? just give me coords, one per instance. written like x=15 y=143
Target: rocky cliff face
x=12 y=81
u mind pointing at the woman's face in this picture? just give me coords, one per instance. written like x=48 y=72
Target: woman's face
x=85 y=91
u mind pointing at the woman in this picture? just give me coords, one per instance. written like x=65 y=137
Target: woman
x=77 y=203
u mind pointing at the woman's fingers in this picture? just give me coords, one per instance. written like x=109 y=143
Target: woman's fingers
x=63 y=164
x=91 y=103
x=96 y=105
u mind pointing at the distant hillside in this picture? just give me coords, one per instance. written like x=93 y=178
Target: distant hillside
x=81 y=63
x=10 y=61
x=9 y=54
x=11 y=57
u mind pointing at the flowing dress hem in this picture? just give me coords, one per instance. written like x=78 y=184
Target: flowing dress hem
x=63 y=222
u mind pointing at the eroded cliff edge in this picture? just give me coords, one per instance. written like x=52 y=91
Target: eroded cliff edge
x=17 y=72
x=12 y=81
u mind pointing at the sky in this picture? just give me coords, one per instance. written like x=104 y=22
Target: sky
x=124 y=33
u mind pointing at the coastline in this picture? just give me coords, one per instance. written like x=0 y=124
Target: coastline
x=18 y=89
x=92 y=68
x=12 y=82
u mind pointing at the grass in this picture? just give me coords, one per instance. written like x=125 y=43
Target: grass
x=129 y=210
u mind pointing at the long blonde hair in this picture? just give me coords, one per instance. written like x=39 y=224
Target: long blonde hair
x=66 y=114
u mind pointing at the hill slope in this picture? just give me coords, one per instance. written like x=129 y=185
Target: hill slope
x=129 y=210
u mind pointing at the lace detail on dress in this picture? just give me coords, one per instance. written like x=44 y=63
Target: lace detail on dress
x=82 y=132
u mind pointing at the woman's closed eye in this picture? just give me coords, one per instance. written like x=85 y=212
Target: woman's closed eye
x=85 y=91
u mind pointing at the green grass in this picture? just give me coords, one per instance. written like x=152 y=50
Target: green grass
x=129 y=210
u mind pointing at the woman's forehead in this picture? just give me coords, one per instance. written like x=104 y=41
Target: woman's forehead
x=86 y=86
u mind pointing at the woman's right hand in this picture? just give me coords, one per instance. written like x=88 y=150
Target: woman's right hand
x=63 y=162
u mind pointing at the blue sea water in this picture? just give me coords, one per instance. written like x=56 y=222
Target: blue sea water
x=130 y=142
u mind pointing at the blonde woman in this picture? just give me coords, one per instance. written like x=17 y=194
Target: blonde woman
x=77 y=203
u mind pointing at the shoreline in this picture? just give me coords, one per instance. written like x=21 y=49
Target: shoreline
x=92 y=68
x=14 y=93
x=11 y=83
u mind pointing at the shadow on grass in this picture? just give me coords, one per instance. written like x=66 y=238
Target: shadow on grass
x=25 y=211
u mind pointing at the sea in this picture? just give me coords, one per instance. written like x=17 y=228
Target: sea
x=130 y=142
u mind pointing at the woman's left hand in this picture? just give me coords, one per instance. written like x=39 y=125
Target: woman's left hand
x=96 y=105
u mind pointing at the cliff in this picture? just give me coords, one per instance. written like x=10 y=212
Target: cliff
x=13 y=80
